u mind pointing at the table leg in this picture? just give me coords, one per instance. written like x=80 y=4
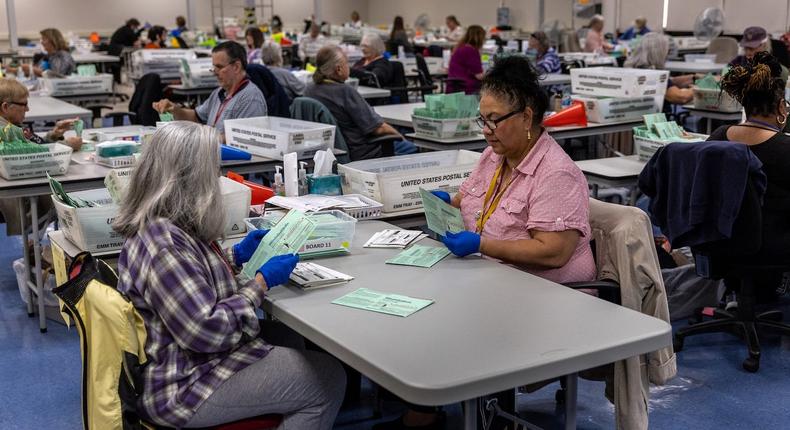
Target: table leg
x=470 y=414
x=571 y=387
x=710 y=126
x=25 y=254
x=595 y=191
x=42 y=318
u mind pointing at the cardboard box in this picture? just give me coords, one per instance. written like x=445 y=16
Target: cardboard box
x=395 y=181
x=274 y=137
x=78 y=85
x=605 y=110
x=617 y=82
x=55 y=162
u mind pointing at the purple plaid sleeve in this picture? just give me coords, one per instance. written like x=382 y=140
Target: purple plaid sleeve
x=189 y=307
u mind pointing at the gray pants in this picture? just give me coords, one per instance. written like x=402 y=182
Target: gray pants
x=306 y=387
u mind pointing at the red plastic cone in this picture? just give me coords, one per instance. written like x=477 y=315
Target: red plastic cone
x=575 y=114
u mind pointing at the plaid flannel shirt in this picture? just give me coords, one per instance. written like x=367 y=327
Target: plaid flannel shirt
x=201 y=322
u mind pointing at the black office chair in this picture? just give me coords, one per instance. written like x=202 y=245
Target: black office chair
x=739 y=260
x=424 y=76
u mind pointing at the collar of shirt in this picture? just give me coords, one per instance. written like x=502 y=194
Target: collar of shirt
x=531 y=162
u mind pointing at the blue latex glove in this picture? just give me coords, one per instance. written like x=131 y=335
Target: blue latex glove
x=462 y=243
x=444 y=195
x=278 y=269
x=242 y=251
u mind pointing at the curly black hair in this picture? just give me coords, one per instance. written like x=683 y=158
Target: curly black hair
x=515 y=79
x=758 y=86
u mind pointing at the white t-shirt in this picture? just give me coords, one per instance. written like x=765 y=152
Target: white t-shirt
x=456 y=35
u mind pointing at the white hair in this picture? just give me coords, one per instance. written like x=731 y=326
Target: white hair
x=649 y=53
x=374 y=41
x=271 y=54
x=176 y=178
x=326 y=61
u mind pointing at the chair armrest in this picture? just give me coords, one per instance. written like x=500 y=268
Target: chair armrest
x=607 y=290
x=387 y=142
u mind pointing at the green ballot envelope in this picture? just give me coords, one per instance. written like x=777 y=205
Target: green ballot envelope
x=286 y=237
x=440 y=216
x=420 y=256
x=392 y=304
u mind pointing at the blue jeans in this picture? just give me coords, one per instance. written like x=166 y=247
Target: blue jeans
x=404 y=147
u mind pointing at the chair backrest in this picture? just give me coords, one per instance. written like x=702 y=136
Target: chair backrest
x=779 y=50
x=725 y=48
x=569 y=41
x=113 y=336
x=309 y=109
x=398 y=81
x=147 y=91
x=277 y=101
x=422 y=70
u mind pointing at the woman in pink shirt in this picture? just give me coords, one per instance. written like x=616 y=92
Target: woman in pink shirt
x=526 y=202
x=595 y=41
x=466 y=70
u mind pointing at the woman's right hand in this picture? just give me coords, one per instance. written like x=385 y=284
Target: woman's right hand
x=163 y=106
x=277 y=270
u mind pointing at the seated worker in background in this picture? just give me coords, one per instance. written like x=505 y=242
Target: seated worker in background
x=358 y=122
x=356 y=21
x=638 y=29
x=759 y=87
x=466 y=68
x=13 y=106
x=210 y=359
x=755 y=39
x=58 y=59
x=651 y=53
x=272 y=57
x=236 y=96
x=277 y=29
x=398 y=38
x=254 y=37
x=456 y=32
x=181 y=26
x=594 y=42
x=156 y=37
x=545 y=56
x=526 y=202
x=309 y=44
x=372 y=70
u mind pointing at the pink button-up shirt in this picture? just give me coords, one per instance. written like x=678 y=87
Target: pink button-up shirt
x=548 y=193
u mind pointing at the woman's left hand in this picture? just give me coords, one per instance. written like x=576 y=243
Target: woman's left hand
x=62 y=126
x=242 y=251
x=462 y=243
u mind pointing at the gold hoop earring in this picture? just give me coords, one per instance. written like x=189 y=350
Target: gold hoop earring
x=529 y=135
x=782 y=121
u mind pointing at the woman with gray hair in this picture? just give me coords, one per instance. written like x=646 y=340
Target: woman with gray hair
x=595 y=42
x=651 y=53
x=372 y=69
x=208 y=364
x=358 y=122
x=272 y=58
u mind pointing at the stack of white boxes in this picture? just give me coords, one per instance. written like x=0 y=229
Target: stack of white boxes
x=613 y=94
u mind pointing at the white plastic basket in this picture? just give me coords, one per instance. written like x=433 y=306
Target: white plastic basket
x=274 y=137
x=334 y=235
x=372 y=210
x=715 y=100
x=645 y=148
x=116 y=162
x=444 y=128
x=55 y=162
x=78 y=85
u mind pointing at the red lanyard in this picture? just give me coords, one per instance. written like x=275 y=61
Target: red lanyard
x=235 y=91
x=215 y=247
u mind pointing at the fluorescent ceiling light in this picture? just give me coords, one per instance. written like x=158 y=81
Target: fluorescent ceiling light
x=666 y=14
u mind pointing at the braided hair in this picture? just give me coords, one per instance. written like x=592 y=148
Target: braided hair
x=758 y=86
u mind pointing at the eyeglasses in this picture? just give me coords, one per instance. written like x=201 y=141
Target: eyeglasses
x=24 y=105
x=215 y=68
x=492 y=124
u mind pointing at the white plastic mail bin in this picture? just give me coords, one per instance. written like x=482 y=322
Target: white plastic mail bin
x=617 y=82
x=55 y=162
x=236 y=198
x=90 y=228
x=78 y=85
x=164 y=62
x=444 y=128
x=396 y=181
x=273 y=137
x=197 y=73
x=645 y=148
x=715 y=100
x=605 y=110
